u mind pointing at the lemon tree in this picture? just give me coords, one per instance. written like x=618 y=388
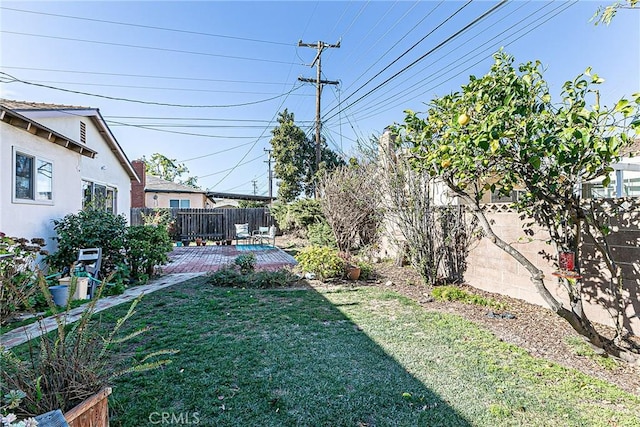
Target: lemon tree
x=501 y=132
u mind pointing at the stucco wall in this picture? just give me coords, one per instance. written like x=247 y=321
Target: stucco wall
x=197 y=200
x=33 y=219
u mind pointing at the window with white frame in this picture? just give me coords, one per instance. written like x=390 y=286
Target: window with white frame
x=33 y=178
x=99 y=196
x=182 y=203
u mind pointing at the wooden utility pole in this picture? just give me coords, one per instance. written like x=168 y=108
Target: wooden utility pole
x=270 y=177
x=320 y=46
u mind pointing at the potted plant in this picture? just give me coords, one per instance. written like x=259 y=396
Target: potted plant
x=70 y=369
x=351 y=268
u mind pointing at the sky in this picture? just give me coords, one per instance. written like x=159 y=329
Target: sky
x=202 y=82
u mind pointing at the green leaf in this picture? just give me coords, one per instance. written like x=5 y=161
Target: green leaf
x=621 y=104
x=494 y=144
x=546 y=98
x=535 y=162
x=606 y=181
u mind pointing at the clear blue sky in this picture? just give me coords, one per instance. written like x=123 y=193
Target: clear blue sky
x=216 y=56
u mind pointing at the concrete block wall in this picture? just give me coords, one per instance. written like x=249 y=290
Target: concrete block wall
x=490 y=269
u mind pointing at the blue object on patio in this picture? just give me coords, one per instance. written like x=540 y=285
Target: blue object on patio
x=253 y=248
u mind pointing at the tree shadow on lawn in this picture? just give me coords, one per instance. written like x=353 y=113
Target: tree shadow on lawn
x=267 y=358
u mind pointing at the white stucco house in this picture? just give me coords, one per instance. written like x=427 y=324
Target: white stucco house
x=54 y=160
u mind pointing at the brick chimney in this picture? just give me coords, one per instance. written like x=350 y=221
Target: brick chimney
x=137 y=188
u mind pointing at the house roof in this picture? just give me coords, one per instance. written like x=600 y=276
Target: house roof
x=159 y=185
x=18 y=120
x=253 y=197
x=33 y=110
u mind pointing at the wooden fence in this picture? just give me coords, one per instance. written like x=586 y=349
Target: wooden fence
x=213 y=224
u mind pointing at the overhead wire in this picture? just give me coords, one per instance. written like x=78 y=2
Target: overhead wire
x=444 y=42
x=152 y=27
x=434 y=74
x=114 y=98
x=554 y=12
x=142 y=76
x=406 y=51
x=159 y=49
x=180 y=89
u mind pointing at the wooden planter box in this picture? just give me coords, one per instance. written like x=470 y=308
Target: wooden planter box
x=93 y=412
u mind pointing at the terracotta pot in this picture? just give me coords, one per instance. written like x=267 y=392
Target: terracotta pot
x=353 y=272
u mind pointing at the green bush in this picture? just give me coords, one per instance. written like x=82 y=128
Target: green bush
x=453 y=293
x=366 y=270
x=231 y=277
x=320 y=234
x=89 y=228
x=18 y=290
x=297 y=216
x=272 y=279
x=322 y=261
x=246 y=262
x=146 y=246
x=227 y=277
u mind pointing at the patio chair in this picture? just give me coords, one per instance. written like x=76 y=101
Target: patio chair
x=270 y=237
x=257 y=235
x=89 y=262
x=242 y=233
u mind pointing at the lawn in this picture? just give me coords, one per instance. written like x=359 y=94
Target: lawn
x=342 y=356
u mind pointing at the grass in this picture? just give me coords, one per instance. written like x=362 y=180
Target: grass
x=341 y=356
x=454 y=293
x=582 y=348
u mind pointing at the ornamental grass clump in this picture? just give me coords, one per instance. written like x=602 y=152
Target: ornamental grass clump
x=62 y=368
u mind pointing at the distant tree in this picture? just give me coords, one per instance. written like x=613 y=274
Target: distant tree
x=167 y=169
x=250 y=204
x=295 y=159
x=604 y=15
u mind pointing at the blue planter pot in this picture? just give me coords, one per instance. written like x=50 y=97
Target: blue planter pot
x=60 y=295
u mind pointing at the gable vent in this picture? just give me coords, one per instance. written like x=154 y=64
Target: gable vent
x=83 y=132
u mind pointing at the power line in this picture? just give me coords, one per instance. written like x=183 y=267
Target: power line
x=141 y=76
x=405 y=52
x=439 y=73
x=180 y=89
x=15 y=79
x=146 y=127
x=447 y=40
x=152 y=27
x=160 y=49
x=216 y=119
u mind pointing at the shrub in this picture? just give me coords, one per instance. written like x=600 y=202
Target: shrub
x=297 y=216
x=320 y=234
x=146 y=246
x=18 y=289
x=453 y=293
x=227 y=277
x=231 y=277
x=89 y=228
x=322 y=261
x=272 y=279
x=71 y=364
x=246 y=263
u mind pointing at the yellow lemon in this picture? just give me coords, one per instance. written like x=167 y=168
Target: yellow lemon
x=463 y=119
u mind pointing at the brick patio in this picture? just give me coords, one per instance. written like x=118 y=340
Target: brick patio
x=202 y=259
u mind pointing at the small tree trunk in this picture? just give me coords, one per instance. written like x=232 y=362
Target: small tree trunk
x=578 y=321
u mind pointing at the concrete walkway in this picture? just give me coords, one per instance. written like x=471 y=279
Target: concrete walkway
x=185 y=263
